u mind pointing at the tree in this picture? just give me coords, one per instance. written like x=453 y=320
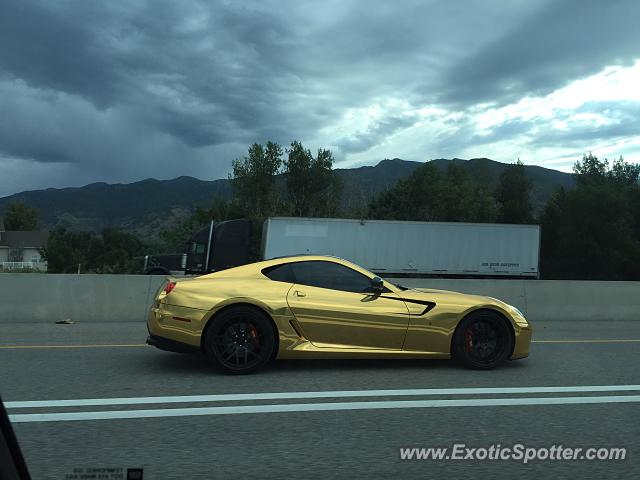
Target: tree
x=593 y=230
x=413 y=198
x=429 y=195
x=590 y=170
x=173 y=239
x=463 y=199
x=253 y=179
x=312 y=187
x=20 y=216
x=513 y=195
x=65 y=251
x=121 y=252
x=624 y=173
x=114 y=251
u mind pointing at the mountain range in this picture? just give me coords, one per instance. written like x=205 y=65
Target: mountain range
x=148 y=206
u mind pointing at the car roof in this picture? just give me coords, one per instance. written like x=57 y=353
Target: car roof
x=303 y=255
x=255 y=269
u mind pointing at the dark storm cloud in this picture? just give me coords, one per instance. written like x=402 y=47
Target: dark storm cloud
x=117 y=91
x=379 y=130
x=213 y=72
x=565 y=40
x=57 y=49
x=515 y=128
x=204 y=84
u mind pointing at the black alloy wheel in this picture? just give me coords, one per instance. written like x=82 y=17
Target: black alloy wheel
x=240 y=340
x=482 y=340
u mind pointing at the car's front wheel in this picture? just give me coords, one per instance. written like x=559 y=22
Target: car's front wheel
x=240 y=340
x=482 y=340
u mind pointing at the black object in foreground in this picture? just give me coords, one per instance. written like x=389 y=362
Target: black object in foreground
x=12 y=464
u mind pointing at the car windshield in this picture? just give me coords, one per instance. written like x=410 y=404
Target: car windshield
x=337 y=239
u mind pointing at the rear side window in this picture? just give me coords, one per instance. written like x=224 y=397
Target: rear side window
x=330 y=275
x=321 y=274
x=280 y=273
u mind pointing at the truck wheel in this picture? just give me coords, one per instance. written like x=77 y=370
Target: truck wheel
x=241 y=340
x=482 y=340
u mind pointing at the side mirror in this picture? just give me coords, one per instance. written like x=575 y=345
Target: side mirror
x=377 y=284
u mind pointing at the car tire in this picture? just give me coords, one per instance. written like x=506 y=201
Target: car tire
x=483 y=340
x=240 y=340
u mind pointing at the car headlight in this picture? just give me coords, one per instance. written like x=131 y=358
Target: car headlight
x=515 y=310
x=519 y=319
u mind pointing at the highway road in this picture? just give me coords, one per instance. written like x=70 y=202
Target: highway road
x=350 y=420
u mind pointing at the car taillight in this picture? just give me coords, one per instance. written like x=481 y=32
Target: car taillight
x=169 y=286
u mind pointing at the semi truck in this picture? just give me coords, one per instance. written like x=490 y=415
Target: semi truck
x=386 y=247
x=219 y=246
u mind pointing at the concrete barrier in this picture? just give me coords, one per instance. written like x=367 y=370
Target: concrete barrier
x=33 y=297
x=510 y=291
x=117 y=298
x=548 y=300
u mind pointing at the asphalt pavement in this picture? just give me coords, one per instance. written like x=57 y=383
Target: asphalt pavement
x=170 y=414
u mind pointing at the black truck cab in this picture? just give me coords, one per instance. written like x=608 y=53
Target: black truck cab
x=216 y=247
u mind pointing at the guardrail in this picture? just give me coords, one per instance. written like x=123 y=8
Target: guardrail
x=23 y=265
x=48 y=298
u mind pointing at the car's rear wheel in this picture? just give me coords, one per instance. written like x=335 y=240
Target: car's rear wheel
x=482 y=340
x=240 y=340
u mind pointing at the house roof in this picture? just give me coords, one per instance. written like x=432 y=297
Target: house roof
x=29 y=238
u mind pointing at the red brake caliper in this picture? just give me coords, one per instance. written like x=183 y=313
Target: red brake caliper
x=253 y=333
x=468 y=340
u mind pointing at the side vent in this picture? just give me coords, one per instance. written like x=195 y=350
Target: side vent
x=296 y=327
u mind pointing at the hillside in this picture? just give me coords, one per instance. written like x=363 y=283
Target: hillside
x=147 y=206
x=544 y=180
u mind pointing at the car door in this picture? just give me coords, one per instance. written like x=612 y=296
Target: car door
x=336 y=307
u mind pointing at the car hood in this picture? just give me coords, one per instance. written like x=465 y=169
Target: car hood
x=446 y=296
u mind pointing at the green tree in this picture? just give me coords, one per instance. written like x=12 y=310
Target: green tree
x=513 y=195
x=20 y=216
x=624 y=173
x=253 y=179
x=429 y=195
x=114 y=251
x=221 y=210
x=463 y=199
x=174 y=238
x=119 y=252
x=591 y=170
x=312 y=186
x=593 y=230
x=66 y=251
x=413 y=198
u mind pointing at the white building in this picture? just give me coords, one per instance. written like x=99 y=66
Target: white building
x=22 y=249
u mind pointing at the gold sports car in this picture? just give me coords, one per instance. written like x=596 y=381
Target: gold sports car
x=326 y=307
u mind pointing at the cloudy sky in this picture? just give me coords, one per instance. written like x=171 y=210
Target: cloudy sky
x=122 y=91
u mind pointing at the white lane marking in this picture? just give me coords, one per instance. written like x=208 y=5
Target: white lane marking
x=314 y=407
x=322 y=394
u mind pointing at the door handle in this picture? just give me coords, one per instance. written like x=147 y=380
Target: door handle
x=298 y=293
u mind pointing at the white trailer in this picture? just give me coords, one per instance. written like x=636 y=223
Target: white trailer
x=411 y=248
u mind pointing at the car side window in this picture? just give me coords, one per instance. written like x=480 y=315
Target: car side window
x=280 y=273
x=330 y=275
